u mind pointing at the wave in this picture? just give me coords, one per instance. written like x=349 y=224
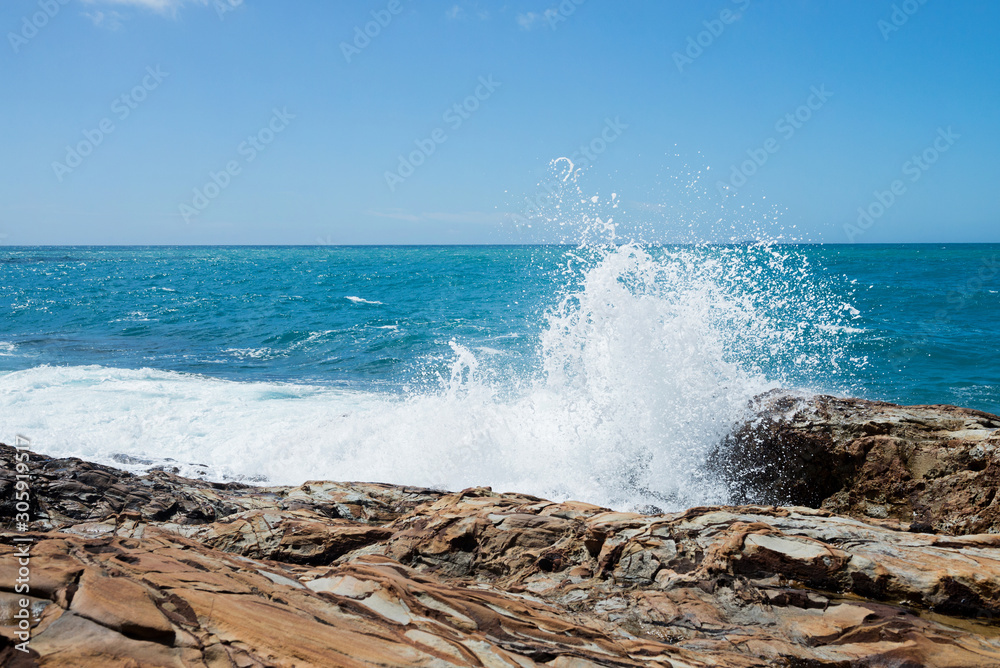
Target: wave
x=647 y=361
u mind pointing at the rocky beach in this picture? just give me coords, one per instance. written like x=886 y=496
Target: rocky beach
x=868 y=536
x=501 y=335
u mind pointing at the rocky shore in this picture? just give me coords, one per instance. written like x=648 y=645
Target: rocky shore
x=869 y=537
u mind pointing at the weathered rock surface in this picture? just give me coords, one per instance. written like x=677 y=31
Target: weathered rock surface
x=69 y=491
x=163 y=571
x=934 y=468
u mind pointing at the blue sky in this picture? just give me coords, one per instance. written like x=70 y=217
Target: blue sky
x=229 y=122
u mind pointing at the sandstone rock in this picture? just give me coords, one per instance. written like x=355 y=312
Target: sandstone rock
x=68 y=492
x=99 y=597
x=295 y=536
x=934 y=468
x=158 y=570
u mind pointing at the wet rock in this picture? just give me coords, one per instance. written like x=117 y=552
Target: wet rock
x=71 y=491
x=160 y=570
x=933 y=468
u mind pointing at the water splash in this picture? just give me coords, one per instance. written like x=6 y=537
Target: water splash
x=646 y=361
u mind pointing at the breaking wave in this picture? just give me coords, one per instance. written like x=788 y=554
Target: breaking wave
x=647 y=360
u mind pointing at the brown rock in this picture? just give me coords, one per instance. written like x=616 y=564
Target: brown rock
x=933 y=468
x=163 y=571
x=99 y=598
x=296 y=536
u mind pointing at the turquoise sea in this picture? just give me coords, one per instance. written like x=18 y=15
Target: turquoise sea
x=604 y=373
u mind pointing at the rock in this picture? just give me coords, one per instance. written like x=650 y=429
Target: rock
x=296 y=536
x=159 y=570
x=98 y=598
x=70 y=491
x=934 y=468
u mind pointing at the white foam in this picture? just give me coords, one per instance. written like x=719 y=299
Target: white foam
x=841 y=328
x=642 y=370
x=234 y=428
x=250 y=353
x=359 y=300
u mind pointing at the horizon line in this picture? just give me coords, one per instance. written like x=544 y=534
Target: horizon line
x=513 y=245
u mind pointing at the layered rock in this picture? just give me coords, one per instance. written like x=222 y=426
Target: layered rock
x=159 y=570
x=934 y=468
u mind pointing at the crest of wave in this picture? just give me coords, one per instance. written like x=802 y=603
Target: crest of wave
x=645 y=363
x=643 y=366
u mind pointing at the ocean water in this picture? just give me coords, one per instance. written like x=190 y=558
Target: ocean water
x=600 y=373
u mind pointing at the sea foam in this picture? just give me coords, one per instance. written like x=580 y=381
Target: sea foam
x=644 y=365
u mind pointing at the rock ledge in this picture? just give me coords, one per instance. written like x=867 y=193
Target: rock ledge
x=896 y=562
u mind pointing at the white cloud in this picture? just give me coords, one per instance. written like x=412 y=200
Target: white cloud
x=527 y=20
x=111 y=19
x=458 y=11
x=532 y=20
